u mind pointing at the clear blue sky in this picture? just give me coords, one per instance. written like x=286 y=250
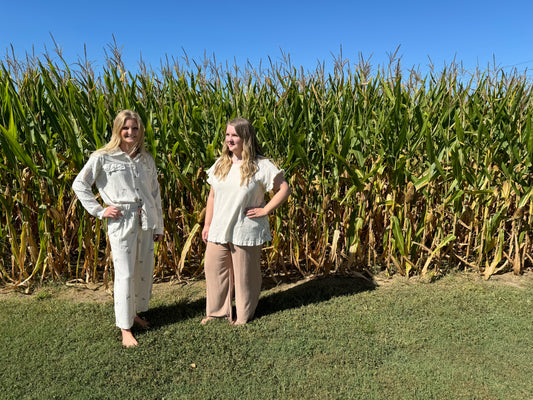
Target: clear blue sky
x=472 y=32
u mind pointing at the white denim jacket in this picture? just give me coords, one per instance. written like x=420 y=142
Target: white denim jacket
x=121 y=182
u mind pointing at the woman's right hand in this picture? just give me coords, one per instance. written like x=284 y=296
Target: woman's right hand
x=112 y=212
x=205 y=233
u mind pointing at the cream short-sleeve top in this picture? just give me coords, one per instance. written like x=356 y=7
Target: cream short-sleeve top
x=230 y=223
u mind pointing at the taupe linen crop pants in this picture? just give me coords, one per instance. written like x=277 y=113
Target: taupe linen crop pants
x=229 y=270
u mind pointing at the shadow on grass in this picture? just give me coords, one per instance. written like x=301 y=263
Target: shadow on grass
x=169 y=314
x=300 y=294
x=310 y=292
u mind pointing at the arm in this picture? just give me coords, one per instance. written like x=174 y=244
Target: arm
x=82 y=186
x=156 y=194
x=208 y=214
x=282 y=192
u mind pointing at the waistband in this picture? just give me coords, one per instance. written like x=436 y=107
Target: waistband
x=130 y=206
x=139 y=210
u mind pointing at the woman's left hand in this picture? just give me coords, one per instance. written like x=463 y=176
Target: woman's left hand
x=256 y=212
x=158 y=237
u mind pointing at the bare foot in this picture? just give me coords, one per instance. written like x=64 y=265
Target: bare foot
x=141 y=322
x=206 y=320
x=237 y=323
x=127 y=338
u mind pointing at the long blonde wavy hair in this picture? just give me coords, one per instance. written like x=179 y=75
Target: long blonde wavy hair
x=116 y=139
x=251 y=151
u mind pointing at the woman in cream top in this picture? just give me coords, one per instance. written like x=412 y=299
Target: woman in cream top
x=236 y=223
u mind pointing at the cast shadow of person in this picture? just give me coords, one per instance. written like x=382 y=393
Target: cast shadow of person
x=304 y=293
x=312 y=291
x=181 y=310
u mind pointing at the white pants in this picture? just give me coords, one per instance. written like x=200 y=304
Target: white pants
x=133 y=261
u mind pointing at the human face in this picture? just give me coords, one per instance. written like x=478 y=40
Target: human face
x=233 y=141
x=129 y=135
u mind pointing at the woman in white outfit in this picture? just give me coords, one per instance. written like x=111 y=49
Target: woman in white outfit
x=126 y=178
x=236 y=223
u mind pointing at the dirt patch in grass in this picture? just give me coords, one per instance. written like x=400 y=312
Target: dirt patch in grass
x=99 y=293
x=524 y=281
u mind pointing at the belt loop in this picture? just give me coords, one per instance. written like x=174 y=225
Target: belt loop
x=143 y=219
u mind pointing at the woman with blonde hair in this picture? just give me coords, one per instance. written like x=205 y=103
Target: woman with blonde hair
x=126 y=178
x=236 y=223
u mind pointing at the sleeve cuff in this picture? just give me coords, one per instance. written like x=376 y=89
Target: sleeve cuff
x=100 y=213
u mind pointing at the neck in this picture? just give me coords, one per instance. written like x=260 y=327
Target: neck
x=128 y=149
x=236 y=158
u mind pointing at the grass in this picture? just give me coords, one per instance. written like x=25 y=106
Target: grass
x=457 y=338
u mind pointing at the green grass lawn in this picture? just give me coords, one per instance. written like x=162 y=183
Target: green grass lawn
x=457 y=338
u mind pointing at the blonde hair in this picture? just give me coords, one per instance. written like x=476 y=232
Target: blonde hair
x=116 y=138
x=251 y=151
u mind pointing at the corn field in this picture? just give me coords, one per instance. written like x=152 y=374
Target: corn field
x=390 y=172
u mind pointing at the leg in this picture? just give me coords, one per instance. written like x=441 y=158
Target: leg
x=123 y=247
x=219 y=281
x=144 y=271
x=247 y=269
x=124 y=285
x=122 y=292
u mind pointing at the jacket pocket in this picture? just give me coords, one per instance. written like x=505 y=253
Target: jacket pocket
x=110 y=168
